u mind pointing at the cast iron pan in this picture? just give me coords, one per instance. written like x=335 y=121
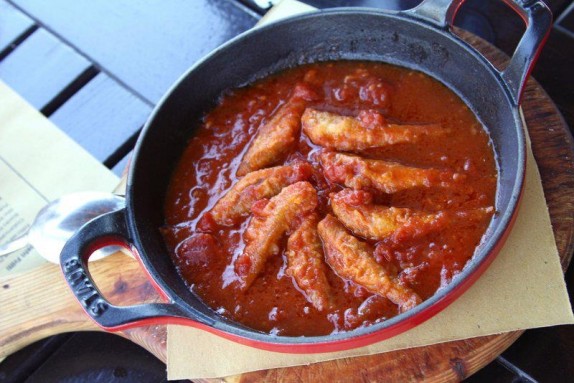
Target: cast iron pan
x=419 y=39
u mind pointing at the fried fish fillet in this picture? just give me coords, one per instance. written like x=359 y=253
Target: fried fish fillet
x=388 y=177
x=271 y=221
x=356 y=210
x=305 y=263
x=367 y=131
x=264 y=183
x=352 y=259
x=279 y=135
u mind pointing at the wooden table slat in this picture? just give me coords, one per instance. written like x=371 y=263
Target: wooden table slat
x=41 y=67
x=13 y=23
x=102 y=116
x=171 y=36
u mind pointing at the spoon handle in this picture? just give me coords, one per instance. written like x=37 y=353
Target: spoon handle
x=17 y=244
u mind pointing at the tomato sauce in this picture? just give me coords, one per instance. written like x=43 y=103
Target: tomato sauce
x=273 y=303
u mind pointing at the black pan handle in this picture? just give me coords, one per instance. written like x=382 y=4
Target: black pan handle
x=538 y=20
x=102 y=231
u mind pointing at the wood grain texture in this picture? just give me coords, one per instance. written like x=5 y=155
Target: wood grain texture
x=41 y=67
x=37 y=304
x=452 y=361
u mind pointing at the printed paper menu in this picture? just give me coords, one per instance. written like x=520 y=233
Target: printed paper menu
x=38 y=163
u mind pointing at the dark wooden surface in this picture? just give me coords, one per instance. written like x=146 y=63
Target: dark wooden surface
x=97 y=68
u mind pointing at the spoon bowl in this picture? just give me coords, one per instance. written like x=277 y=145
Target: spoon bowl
x=60 y=219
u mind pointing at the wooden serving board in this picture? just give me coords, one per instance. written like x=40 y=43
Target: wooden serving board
x=38 y=303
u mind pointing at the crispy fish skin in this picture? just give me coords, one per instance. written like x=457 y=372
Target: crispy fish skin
x=268 y=225
x=388 y=177
x=279 y=135
x=352 y=259
x=355 y=209
x=306 y=265
x=334 y=131
x=264 y=183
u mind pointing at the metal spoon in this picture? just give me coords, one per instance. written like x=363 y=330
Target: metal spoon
x=60 y=219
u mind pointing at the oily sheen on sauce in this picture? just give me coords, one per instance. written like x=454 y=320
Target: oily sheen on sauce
x=417 y=257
